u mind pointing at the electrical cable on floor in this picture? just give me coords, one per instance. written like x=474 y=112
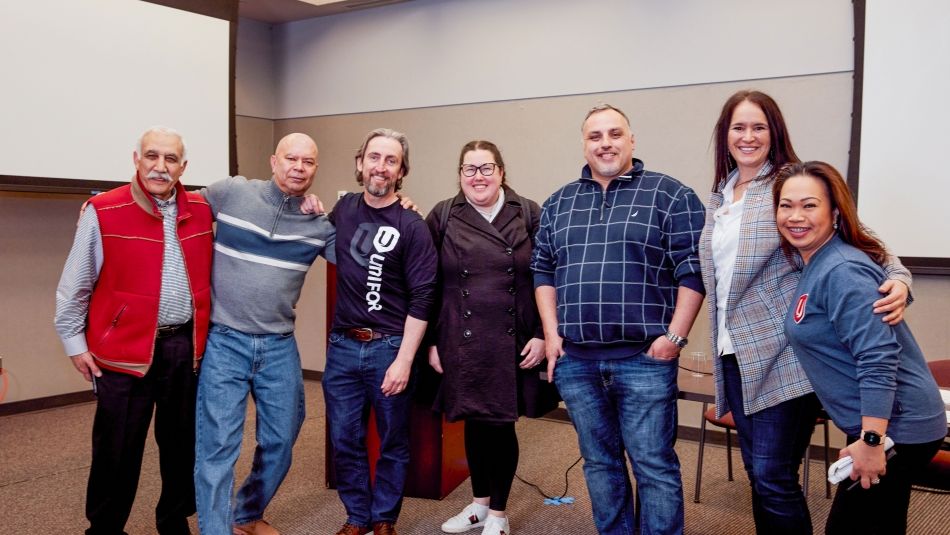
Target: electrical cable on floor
x=554 y=500
x=700 y=372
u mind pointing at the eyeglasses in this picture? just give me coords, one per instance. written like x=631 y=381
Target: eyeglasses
x=486 y=169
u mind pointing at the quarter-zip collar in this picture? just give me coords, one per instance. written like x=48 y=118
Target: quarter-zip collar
x=635 y=172
x=275 y=196
x=283 y=202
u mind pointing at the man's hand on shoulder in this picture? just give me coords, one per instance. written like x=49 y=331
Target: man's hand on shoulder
x=82 y=211
x=86 y=365
x=311 y=204
x=407 y=203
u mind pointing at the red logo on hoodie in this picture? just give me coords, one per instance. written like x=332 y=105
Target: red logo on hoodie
x=800 y=308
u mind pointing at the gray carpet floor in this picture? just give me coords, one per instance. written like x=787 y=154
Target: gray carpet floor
x=44 y=463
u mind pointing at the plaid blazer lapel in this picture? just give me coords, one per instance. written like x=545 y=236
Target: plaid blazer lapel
x=758 y=243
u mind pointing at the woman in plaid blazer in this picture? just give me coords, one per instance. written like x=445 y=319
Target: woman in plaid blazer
x=749 y=283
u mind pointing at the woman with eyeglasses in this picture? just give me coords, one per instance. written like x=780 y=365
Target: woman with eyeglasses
x=486 y=341
x=749 y=284
x=871 y=377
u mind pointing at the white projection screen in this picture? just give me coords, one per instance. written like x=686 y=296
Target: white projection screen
x=903 y=128
x=83 y=78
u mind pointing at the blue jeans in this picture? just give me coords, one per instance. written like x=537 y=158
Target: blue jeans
x=351 y=385
x=235 y=363
x=626 y=405
x=773 y=442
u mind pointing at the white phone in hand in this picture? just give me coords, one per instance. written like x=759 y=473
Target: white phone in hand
x=841 y=469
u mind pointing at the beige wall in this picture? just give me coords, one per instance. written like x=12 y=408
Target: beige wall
x=36 y=231
x=255 y=144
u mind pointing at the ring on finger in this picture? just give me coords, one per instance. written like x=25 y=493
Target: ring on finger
x=875 y=481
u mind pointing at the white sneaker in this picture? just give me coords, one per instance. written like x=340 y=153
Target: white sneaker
x=473 y=516
x=496 y=525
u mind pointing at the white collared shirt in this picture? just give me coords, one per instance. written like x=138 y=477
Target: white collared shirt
x=725 y=249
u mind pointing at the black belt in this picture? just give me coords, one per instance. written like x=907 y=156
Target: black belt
x=168 y=330
x=362 y=334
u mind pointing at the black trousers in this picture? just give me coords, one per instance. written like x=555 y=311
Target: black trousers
x=123 y=414
x=492 y=453
x=881 y=509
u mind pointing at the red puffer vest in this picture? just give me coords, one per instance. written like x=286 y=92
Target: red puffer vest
x=123 y=312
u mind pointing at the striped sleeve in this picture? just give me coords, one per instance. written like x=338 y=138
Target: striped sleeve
x=76 y=283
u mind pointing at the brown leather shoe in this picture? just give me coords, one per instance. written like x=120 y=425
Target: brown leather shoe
x=258 y=527
x=350 y=529
x=384 y=528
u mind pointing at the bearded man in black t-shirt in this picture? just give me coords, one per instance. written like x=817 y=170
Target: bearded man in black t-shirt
x=386 y=272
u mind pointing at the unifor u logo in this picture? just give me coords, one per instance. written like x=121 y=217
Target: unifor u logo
x=385 y=240
x=369 y=239
x=800 y=308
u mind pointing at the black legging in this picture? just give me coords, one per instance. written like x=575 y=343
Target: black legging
x=492 y=452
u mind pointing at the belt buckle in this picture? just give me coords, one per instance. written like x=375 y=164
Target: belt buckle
x=362 y=334
x=166 y=330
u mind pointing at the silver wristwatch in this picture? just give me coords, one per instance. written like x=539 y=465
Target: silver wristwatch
x=676 y=339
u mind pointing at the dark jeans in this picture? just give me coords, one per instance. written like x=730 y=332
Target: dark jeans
x=773 y=442
x=123 y=414
x=351 y=385
x=491 y=449
x=881 y=509
x=620 y=405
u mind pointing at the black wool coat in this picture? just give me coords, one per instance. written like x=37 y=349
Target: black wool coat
x=485 y=310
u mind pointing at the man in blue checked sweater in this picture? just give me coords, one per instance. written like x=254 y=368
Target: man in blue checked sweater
x=618 y=286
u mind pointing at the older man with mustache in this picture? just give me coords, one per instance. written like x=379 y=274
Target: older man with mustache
x=132 y=310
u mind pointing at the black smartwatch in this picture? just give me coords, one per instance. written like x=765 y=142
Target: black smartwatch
x=872 y=438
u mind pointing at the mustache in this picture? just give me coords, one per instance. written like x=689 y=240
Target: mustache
x=159 y=175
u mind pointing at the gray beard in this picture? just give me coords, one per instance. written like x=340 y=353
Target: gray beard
x=379 y=191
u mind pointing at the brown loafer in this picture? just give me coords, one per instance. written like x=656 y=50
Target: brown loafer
x=384 y=528
x=350 y=529
x=258 y=527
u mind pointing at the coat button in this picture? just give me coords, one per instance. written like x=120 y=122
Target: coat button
x=508 y=251
x=467 y=314
x=512 y=290
x=467 y=333
x=511 y=311
x=465 y=293
x=511 y=271
x=511 y=331
x=464 y=274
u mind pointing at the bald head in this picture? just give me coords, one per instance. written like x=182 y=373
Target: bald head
x=294 y=163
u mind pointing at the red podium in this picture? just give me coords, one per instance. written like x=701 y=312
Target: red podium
x=437 y=448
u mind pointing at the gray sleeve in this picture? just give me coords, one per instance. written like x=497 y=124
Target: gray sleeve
x=894 y=269
x=329 y=250
x=75 y=285
x=216 y=193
